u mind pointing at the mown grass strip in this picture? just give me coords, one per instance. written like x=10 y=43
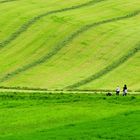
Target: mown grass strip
x=106 y=70
x=27 y=25
x=5 y=1
x=59 y=90
x=65 y=42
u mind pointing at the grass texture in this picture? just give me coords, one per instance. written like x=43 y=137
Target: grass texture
x=68 y=116
x=70 y=45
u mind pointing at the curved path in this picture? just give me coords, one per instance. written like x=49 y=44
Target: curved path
x=69 y=39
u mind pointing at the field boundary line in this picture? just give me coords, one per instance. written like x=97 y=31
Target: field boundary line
x=32 y=21
x=43 y=90
x=65 y=42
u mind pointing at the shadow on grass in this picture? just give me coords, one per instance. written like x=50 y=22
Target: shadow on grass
x=124 y=126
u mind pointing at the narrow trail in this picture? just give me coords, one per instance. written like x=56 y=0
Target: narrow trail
x=27 y=25
x=66 y=41
x=5 y=1
x=43 y=90
x=106 y=70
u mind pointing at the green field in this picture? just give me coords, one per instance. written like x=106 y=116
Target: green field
x=47 y=116
x=75 y=44
x=58 y=58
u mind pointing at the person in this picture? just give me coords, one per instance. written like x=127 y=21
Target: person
x=117 y=90
x=125 y=90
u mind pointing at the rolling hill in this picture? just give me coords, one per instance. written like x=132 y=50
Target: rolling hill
x=59 y=44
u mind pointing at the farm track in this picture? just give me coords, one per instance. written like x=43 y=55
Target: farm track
x=5 y=1
x=107 y=69
x=43 y=90
x=66 y=42
x=27 y=25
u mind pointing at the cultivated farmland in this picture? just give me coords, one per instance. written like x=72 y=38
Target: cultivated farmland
x=59 y=44
x=58 y=59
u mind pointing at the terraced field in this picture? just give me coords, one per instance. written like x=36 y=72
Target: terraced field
x=59 y=44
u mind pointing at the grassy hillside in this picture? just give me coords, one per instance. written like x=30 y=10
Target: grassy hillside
x=59 y=44
x=68 y=116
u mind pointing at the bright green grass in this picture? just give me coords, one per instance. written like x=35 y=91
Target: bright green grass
x=68 y=116
x=114 y=78
x=60 y=50
x=16 y=13
x=88 y=59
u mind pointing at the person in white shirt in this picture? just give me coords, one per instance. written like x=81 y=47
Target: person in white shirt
x=117 y=90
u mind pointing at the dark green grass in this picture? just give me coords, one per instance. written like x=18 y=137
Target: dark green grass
x=119 y=127
x=67 y=41
x=49 y=116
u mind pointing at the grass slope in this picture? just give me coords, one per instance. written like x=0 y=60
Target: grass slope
x=27 y=25
x=114 y=77
x=71 y=37
x=82 y=45
x=68 y=116
x=5 y=1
